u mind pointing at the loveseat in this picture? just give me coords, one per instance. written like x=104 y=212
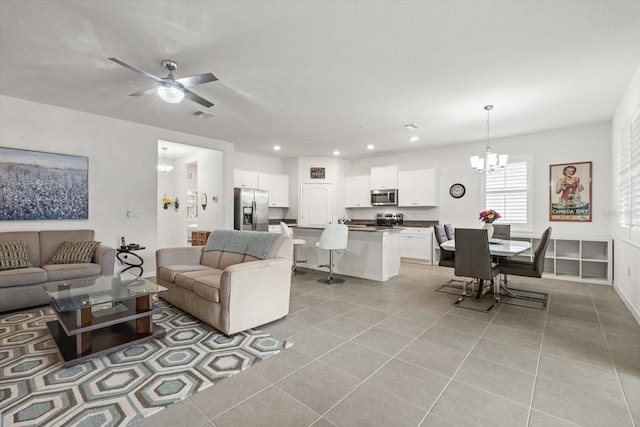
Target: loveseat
x=238 y=281
x=21 y=284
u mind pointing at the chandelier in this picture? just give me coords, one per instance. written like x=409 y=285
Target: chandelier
x=163 y=165
x=492 y=162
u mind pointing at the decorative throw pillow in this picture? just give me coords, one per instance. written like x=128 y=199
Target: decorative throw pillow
x=72 y=252
x=13 y=255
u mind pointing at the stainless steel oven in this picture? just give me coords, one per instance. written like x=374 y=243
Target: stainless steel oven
x=384 y=197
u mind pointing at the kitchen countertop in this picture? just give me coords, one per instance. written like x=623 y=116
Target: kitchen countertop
x=364 y=228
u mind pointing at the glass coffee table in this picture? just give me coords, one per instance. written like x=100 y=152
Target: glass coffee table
x=102 y=314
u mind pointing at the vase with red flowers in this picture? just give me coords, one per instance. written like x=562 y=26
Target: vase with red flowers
x=488 y=217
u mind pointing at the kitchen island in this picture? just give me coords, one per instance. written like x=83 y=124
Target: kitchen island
x=372 y=252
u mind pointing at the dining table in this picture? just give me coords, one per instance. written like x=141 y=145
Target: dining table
x=497 y=248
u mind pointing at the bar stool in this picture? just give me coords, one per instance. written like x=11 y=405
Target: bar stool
x=284 y=228
x=334 y=237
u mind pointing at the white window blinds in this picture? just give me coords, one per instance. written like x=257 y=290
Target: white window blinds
x=507 y=192
x=629 y=174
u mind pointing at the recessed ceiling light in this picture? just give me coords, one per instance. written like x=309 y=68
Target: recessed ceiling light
x=413 y=139
x=370 y=147
x=336 y=153
x=411 y=126
x=276 y=147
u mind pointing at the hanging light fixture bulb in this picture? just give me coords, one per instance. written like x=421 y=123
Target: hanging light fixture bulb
x=164 y=166
x=169 y=93
x=492 y=162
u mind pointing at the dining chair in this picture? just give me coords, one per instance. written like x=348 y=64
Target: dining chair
x=287 y=231
x=533 y=268
x=502 y=231
x=447 y=259
x=334 y=237
x=451 y=232
x=473 y=260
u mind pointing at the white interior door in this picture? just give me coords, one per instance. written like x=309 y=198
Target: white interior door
x=317 y=204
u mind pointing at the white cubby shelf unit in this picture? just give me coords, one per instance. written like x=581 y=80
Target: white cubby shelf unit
x=580 y=259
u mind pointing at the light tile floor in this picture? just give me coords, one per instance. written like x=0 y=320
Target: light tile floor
x=399 y=354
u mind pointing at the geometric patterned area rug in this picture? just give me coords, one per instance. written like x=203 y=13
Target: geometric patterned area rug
x=120 y=388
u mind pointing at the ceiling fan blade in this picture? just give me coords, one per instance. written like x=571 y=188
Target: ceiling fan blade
x=136 y=69
x=196 y=80
x=145 y=92
x=195 y=98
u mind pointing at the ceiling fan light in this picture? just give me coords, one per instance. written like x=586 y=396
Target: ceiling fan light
x=170 y=94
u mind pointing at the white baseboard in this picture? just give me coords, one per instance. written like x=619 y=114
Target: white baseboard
x=632 y=309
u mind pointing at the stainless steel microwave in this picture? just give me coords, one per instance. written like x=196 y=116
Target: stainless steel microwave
x=384 y=197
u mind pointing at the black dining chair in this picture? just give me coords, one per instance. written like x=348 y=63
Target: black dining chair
x=473 y=260
x=501 y=231
x=447 y=259
x=527 y=269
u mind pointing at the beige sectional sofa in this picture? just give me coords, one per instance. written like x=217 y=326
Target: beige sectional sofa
x=240 y=280
x=22 y=287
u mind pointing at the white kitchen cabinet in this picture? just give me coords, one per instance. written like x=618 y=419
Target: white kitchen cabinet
x=384 y=178
x=416 y=245
x=358 y=191
x=245 y=179
x=278 y=188
x=418 y=188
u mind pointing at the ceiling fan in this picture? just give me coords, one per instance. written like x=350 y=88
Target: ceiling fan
x=170 y=89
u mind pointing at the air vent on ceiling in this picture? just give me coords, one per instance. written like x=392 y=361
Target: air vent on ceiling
x=203 y=114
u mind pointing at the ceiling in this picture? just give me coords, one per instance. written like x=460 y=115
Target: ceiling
x=318 y=76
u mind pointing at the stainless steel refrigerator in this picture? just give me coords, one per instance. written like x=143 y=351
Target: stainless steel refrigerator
x=251 y=209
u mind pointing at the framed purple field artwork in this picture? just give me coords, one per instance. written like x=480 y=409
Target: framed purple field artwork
x=37 y=186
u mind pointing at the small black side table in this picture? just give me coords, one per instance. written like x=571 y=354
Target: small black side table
x=122 y=254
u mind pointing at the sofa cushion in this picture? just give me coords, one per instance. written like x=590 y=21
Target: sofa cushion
x=57 y=272
x=74 y=252
x=13 y=255
x=187 y=279
x=22 y=276
x=169 y=272
x=31 y=239
x=208 y=287
x=230 y=258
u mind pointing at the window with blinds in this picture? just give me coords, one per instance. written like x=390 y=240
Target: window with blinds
x=629 y=174
x=508 y=192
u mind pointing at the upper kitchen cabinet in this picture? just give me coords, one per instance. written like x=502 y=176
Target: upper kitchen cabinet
x=358 y=191
x=384 y=178
x=245 y=179
x=278 y=188
x=418 y=188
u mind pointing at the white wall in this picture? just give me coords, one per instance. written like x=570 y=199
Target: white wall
x=335 y=171
x=172 y=223
x=583 y=143
x=255 y=163
x=627 y=265
x=122 y=168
